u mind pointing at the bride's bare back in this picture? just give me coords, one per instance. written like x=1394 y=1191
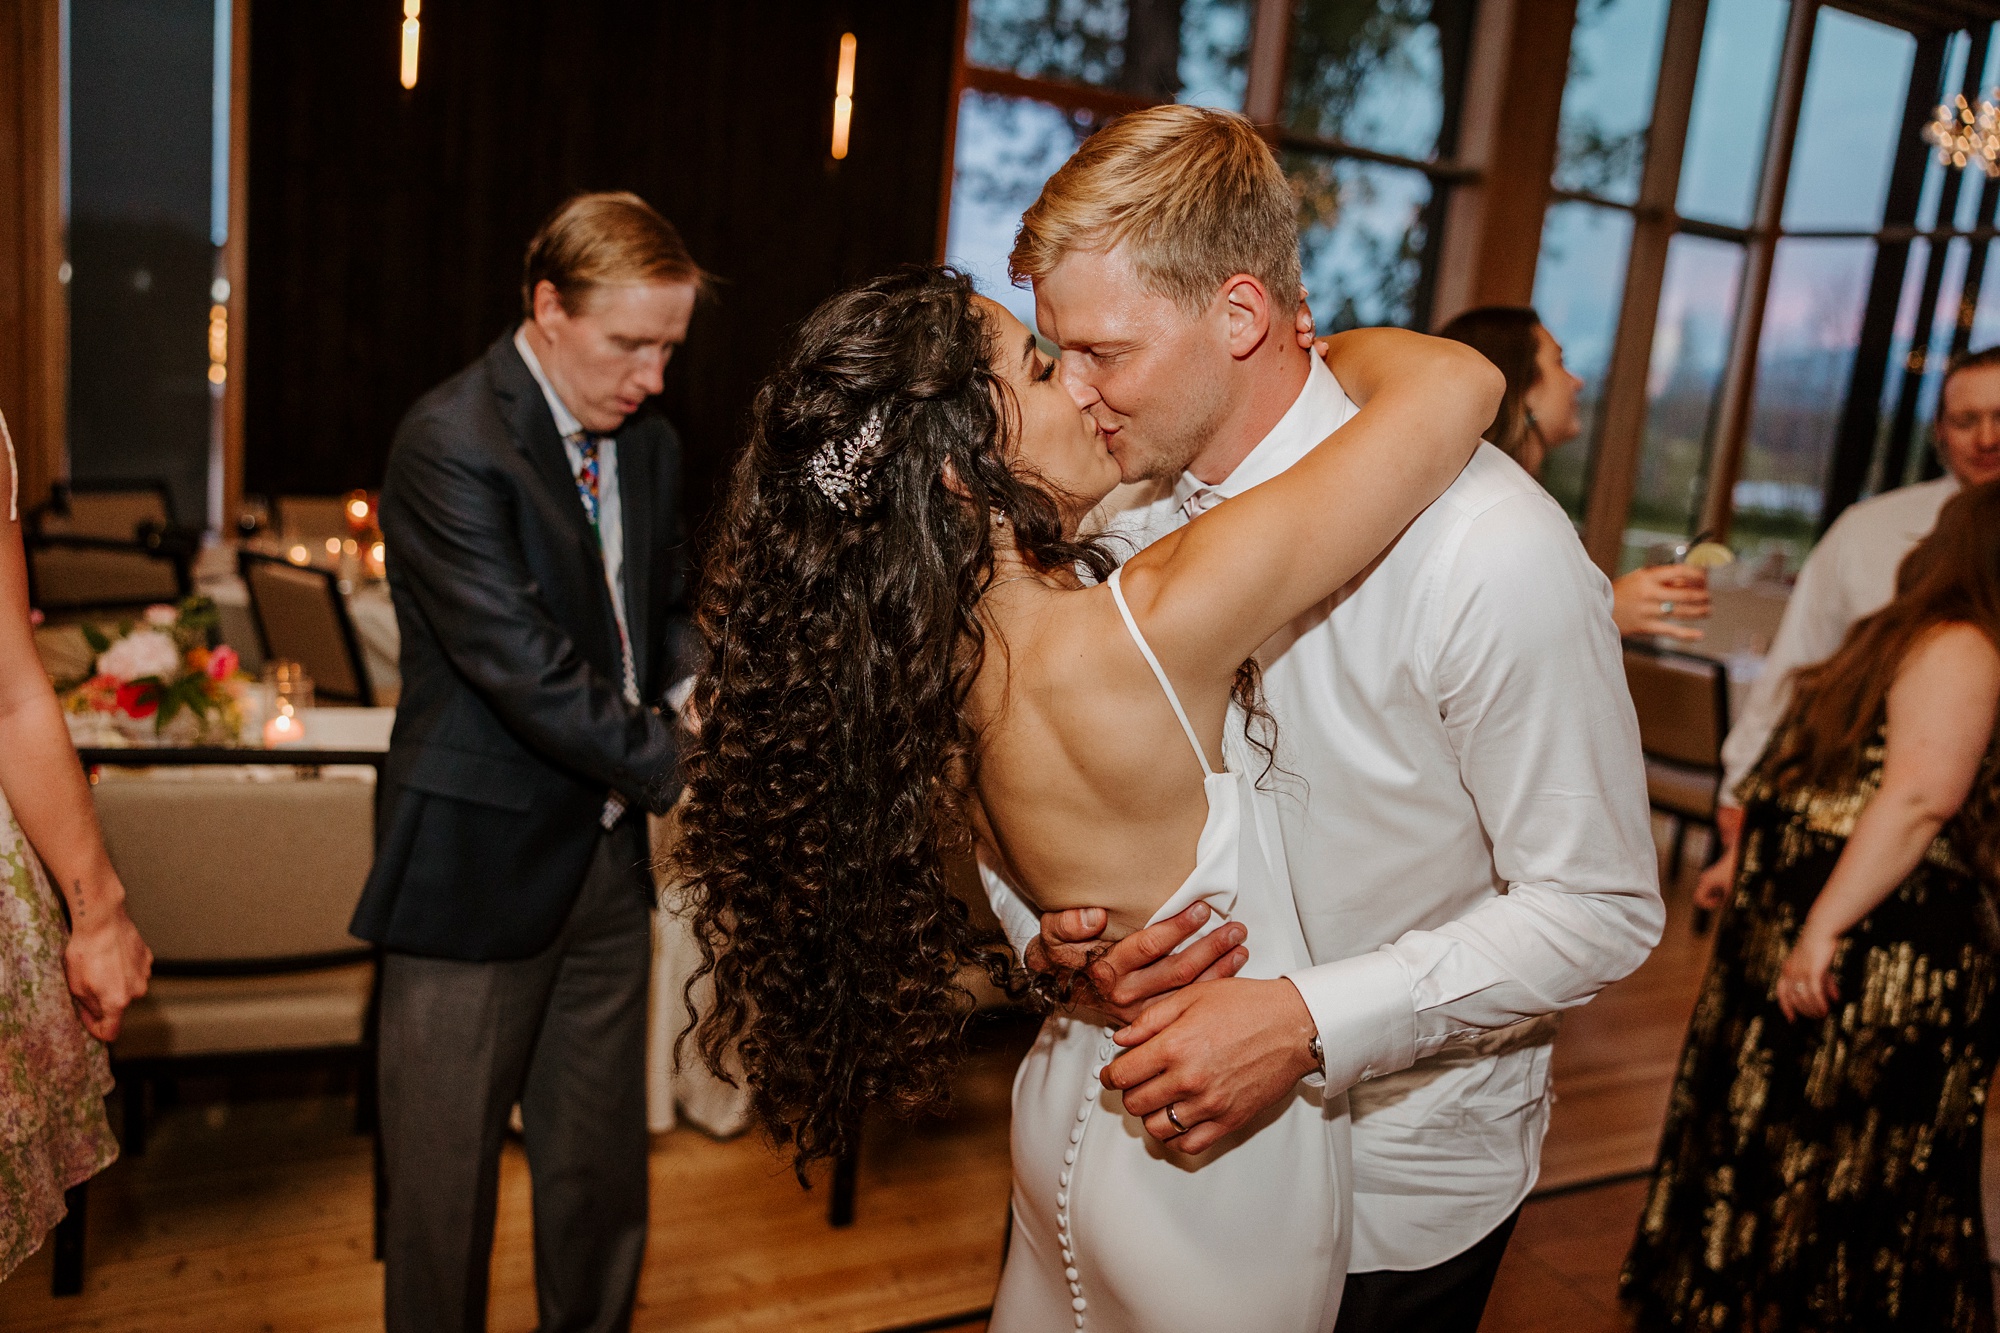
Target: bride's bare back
x=1089 y=792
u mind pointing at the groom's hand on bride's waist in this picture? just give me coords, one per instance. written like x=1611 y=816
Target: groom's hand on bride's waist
x=1123 y=978
x=1206 y=1061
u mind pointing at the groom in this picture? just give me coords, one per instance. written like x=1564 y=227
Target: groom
x=1461 y=793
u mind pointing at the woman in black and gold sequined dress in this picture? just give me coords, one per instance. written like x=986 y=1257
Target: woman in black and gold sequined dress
x=1820 y=1167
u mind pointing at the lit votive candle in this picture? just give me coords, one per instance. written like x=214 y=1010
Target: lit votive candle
x=284 y=728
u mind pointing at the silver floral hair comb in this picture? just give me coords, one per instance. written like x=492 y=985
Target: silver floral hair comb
x=836 y=469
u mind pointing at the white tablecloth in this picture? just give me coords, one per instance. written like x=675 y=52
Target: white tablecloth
x=688 y=1091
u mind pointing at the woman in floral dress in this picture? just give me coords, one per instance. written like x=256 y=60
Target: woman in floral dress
x=1820 y=1168
x=62 y=992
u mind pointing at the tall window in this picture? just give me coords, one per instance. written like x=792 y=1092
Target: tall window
x=1600 y=152
x=1363 y=109
x=147 y=176
x=1371 y=111
x=1797 y=326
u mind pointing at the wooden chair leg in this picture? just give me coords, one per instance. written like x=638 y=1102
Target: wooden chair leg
x=133 y=1089
x=66 y=1244
x=840 y=1206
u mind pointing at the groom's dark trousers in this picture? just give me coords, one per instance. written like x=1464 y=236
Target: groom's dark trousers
x=1445 y=1298
x=510 y=894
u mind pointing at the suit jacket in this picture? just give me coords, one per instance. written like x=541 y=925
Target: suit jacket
x=512 y=727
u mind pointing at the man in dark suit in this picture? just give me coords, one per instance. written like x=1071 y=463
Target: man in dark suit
x=532 y=516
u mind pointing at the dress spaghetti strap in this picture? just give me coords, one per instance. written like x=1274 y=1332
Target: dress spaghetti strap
x=1159 y=672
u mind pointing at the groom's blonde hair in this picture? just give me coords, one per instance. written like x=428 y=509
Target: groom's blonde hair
x=1194 y=196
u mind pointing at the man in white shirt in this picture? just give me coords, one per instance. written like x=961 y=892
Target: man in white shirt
x=1851 y=574
x=1462 y=796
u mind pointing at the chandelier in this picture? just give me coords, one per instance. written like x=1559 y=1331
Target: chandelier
x=1967 y=135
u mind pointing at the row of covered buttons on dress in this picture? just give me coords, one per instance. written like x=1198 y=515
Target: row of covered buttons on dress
x=1105 y=1050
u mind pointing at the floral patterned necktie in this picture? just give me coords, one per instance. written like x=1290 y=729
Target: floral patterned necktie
x=586 y=475
x=586 y=489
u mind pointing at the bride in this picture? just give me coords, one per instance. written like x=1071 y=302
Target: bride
x=911 y=652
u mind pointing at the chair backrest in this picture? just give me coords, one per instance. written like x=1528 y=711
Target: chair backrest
x=311 y=517
x=1683 y=705
x=303 y=618
x=75 y=573
x=111 y=509
x=219 y=870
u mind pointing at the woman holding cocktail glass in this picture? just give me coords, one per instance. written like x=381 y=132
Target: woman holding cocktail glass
x=1538 y=415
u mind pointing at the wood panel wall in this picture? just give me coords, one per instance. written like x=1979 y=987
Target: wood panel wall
x=34 y=317
x=386 y=227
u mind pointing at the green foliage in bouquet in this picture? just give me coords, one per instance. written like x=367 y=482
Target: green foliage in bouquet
x=160 y=667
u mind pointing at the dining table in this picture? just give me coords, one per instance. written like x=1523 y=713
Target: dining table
x=354 y=743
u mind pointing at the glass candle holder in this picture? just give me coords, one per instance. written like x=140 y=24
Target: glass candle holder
x=291 y=698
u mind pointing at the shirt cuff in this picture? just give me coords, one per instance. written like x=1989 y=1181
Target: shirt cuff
x=1367 y=1021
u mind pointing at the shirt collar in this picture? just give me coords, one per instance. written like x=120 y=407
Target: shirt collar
x=1303 y=426
x=567 y=425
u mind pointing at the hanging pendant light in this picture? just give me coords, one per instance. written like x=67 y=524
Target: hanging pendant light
x=843 y=96
x=411 y=28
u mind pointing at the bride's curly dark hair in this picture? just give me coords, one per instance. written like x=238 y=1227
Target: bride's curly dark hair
x=830 y=777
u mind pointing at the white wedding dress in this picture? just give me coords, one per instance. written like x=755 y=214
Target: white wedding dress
x=1114 y=1232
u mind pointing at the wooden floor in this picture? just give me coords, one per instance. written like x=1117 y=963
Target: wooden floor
x=251 y=1212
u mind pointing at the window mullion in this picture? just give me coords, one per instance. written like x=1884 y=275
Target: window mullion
x=1270 y=62
x=1739 y=379
x=1903 y=423
x=1860 y=418
x=1105 y=103
x=1454 y=172
x=1614 y=463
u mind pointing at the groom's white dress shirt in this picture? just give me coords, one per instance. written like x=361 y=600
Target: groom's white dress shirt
x=1464 y=808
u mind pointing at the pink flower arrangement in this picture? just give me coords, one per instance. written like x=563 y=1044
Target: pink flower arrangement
x=160 y=669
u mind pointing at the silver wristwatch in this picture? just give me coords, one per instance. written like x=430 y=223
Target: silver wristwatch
x=1317 y=1051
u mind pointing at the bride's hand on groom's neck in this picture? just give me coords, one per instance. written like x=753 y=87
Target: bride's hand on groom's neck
x=1123 y=979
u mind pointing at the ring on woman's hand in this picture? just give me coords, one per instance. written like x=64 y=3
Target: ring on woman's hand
x=1666 y=608
x=1175 y=1120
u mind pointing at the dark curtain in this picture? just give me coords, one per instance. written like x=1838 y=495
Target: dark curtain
x=386 y=227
